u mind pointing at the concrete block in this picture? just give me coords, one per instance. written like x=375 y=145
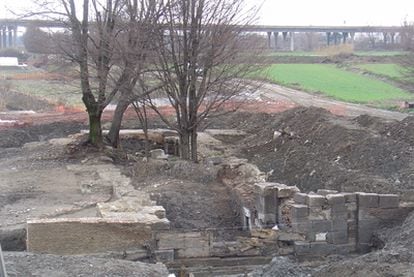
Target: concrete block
x=299 y=211
x=339 y=225
x=62 y=236
x=352 y=228
x=389 y=201
x=164 y=256
x=320 y=226
x=301 y=228
x=321 y=248
x=339 y=209
x=302 y=248
x=313 y=237
x=367 y=200
x=317 y=213
x=325 y=192
x=300 y=198
x=335 y=199
x=344 y=249
x=186 y=245
x=337 y=237
x=287 y=191
x=350 y=197
x=315 y=200
x=287 y=236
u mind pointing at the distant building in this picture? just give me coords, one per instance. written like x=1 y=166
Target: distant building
x=9 y=62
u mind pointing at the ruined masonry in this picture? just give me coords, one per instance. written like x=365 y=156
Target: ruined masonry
x=322 y=223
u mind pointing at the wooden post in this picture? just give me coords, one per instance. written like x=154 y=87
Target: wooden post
x=3 y=272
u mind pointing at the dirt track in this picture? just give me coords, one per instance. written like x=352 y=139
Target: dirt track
x=300 y=98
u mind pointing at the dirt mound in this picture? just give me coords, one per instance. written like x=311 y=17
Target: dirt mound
x=315 y=149
x=16 y=137
x=26 y=264
x=15 y=101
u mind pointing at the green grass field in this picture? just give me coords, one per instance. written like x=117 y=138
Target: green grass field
x=385 y=69
x=335 y=82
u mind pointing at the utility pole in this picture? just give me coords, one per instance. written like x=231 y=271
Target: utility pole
x=3 y=272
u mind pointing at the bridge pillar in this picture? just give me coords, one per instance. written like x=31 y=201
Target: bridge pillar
x=385 y=34
x=352 y=34
x=335 y=35
x=392 y=35
x=269 y=40
x=4 y=36
x=276 y=34
x=14 y=36
x=292 y=41
x=344 y=37
x=328 y=38
x=10 y=36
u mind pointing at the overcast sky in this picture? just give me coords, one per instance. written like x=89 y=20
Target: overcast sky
x=307 y=12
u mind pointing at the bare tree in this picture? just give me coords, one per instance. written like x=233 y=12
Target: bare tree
x=97 y=29
x=141 y=19
x=200 y=61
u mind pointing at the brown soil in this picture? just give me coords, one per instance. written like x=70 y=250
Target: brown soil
x=317 y=149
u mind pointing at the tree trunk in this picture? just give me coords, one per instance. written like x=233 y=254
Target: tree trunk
x=113 y=135
x=194 y=148
x=185 y=145
x=95 y=130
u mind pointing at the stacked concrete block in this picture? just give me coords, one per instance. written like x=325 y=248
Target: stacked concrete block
x=376 y=211
x=266 y=204
x=269 y=198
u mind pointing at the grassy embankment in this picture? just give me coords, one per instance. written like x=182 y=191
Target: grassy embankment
x=46 y=86
x=336 y=83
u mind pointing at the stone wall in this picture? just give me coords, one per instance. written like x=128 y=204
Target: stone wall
x=322 y=223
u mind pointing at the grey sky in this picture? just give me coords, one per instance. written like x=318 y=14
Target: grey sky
x=308 y=12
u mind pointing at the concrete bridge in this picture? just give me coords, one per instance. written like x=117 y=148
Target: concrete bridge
x=334 y=34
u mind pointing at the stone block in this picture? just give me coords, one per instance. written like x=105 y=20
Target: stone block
x=312 y=236
x=339 y=209
x=302 y=248
x=367 y=200
x=389 y=201
x=299 y=211
x=315 y=200
x=344 y=249
x=301 y=227
x=325 y=192
x=350 y=197
x=287 y=191
x=186 y=245
x=300 y=198
x=335 y=199
x=164 y=256
x=339 y=225
x=63 y=236
x=287 y=236
x=321 y=248
x=337 y=237
x=317 y=213
x=320 y=226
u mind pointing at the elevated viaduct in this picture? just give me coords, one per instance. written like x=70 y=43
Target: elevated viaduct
x=334 y=34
